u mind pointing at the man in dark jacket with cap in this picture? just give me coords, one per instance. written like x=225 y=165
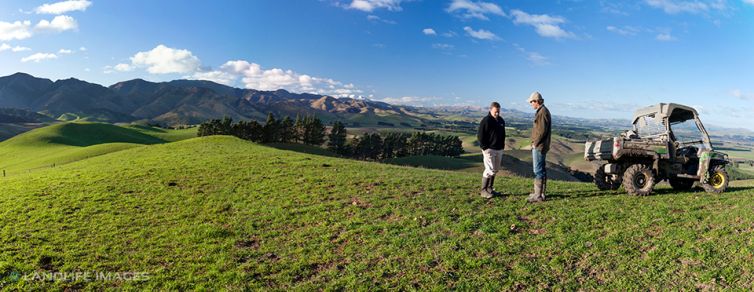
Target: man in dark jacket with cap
x=491 y=137
x=540 y=145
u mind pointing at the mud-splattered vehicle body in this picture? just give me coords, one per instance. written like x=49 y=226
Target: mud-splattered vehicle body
x=668 y=142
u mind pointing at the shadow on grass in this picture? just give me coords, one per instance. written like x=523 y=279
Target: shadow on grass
x=302 y=148
x=434 y=162
x=581 y=194
x=741 y=188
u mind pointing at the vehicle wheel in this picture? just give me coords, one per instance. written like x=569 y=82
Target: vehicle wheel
x=638 y=180
x=604 y=181
x=718 y=180
x=681 y=184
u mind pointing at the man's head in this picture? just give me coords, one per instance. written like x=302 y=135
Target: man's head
x=536 y=100
x=495 y=109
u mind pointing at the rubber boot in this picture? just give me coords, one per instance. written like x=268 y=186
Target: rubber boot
x=485 y=187
x=544 y=188
x=536 y=197
x=491 y=188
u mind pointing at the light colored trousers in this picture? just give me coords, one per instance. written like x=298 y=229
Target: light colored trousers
x=492 y=161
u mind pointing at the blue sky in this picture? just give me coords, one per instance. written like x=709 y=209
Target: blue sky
x=594 y=59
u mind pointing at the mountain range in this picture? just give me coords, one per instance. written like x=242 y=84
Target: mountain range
x=181 y=102
x=28 y=99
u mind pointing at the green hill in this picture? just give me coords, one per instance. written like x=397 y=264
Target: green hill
x=219 y=213
x=66 y=142
x=169 y=135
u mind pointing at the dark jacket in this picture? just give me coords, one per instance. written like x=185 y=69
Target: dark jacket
x=491 y=134
x=540 y=133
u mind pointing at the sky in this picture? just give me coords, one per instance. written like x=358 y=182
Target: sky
x=591 y=59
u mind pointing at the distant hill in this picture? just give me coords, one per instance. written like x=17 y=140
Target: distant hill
x=18 y=116
x=186 y=102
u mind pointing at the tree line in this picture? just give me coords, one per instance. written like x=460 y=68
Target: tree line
x=311 y=131
x=307 y=130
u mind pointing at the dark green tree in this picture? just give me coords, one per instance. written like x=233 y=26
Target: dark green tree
x=368 y=146
x=287 y=130
x=298 y=129
x=394 y=145
x=271 y=129
x=336 y=140
x=314 y=131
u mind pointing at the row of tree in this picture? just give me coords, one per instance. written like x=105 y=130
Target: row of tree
x=310 y=130
x=307 y=130
x=376 y=146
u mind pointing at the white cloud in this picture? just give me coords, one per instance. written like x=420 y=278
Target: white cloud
x=537 y=58
x=749 y=2
x=377 y=18
x=595 y=106
x=65 y=51
x=38 y=57
x=63 y=7
x=371 y=5
x=618 y=8
x=15 y=30
x=6 y=47
x=665 y=37
x=253 y=76
x=545 y=25
x=216 y=76
x=429 y=31
x=693 y=7
x=475 y=9
x=449 y=34
x=410 y=100
x=533 y=57
x=20 y=49
x=83 y=49
x=625 y=31
x=737 y=93
x=164 y=60
x=441 y=46
x=480 y=34
x=123 y=67
x=58 y=24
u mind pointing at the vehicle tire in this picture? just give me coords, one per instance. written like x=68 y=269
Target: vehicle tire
x=604 y=181
x=718 y=180
x=639 y=180
x=681 y=184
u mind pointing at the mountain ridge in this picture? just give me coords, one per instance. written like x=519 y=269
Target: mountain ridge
x=183 y=101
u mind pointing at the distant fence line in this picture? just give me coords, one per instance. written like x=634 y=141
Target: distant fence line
x=7 y=173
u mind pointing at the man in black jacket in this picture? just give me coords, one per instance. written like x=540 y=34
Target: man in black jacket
x=491 y=136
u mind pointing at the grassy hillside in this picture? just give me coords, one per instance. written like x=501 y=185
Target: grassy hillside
x=169 y=135
x=67 y=142
x=220 y=213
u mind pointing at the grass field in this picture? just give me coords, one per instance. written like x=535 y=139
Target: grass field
x=219 y=213
x=437 y=162
x=741 y=154
x=747 y=169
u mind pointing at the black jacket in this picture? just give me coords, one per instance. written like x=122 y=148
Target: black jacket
x=491 y=133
